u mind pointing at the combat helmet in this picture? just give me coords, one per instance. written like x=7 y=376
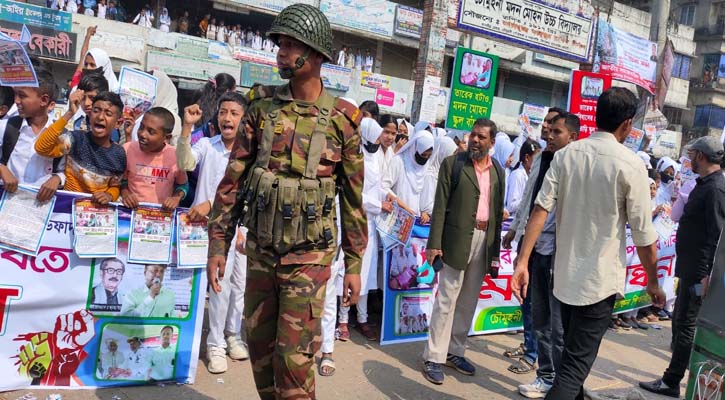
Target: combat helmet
x=307 y=24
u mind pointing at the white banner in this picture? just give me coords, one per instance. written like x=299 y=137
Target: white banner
x=372 y=16
x=190 y=67
x=272 y=5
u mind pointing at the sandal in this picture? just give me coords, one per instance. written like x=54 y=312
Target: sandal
x=515 y=353
x=327 y=366
x=523 y=366
x=343 y=334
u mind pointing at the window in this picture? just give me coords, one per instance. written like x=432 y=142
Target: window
x=687 y=14
x=681 y=67
x=673 y=115
x=709 y=116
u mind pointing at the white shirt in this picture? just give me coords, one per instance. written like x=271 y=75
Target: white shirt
x=29 y=167
x=257 y=42
x=101 y=11
x=137 y=363
x=221 y=34
x=212 y=157
x=396 y=183
x=71 y=7
x=89 y=12
x=341 y=58
x=232 y=38
x=597 y=186
x=267 y=45
x=143 y=20
x=515 y=185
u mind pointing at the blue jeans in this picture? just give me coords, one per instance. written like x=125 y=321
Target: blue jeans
x=530 y=342
x=546 y=317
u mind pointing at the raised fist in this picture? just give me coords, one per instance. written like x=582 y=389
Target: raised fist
x=34 y=357
x=74 y=330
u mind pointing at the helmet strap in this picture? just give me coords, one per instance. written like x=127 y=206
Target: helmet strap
x=289 y=73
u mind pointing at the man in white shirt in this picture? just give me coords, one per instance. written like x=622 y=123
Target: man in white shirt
x=212 y=157
x=19 y=163
x=163 y=358
x=257 y=41
x=144 y=18
x=369 y=60
x=598 y=186
x=111 y=363
x=341 y=56
x=137 y=361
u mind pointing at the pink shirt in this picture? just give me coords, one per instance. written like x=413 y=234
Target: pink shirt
x=483 y=174
x=152 y=176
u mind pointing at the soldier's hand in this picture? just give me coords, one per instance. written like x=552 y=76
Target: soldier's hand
x=215 y=267
x=350 y=289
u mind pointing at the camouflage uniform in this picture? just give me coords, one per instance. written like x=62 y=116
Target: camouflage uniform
x=285 y=292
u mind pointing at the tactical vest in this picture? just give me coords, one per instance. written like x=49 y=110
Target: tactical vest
x=294 y=213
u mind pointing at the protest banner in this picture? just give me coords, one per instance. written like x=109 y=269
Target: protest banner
x=626 y=57
x=472 y=88
x=410 y=287
x=150 y=238
x=95 y=229
x=584 y=91
x=15 y=66
x=540 y=25
x=23 y=220
x=44 y=41
x=137 y=90
x=193 y=241
x=68 y=322
x=408 y=21
x=32 y=15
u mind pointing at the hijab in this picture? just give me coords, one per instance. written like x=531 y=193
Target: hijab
x=408 y=125
x=442 y=148
x=503 y=148
x=419 y=142
x=166 y=97
x=421 y=126
x=370 y=131
x=439 y=133
x=667 y=190
x=103 y=61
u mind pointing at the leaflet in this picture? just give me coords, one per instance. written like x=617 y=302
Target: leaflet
x=192 y=241
x=23 y=220
x=150 y=237
x=96 y=229
x=395 y=227
x=137 y=90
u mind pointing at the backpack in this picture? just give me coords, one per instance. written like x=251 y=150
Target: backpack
x=458 y=166
x=10 y=139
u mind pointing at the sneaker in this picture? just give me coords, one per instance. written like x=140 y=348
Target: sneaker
x=664 y=315
x=433 y=372
x=660 y=387
x=217 y=358
x=535 y=390
x=236 y=348
x=460 y=364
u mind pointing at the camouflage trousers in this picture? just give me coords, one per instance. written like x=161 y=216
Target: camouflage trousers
x=282 y=309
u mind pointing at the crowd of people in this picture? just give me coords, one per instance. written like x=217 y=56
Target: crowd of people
x=546 y=184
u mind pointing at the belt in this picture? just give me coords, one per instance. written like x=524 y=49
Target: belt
x=481 y=225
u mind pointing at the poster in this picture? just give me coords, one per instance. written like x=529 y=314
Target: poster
x=663 y=79
x=626 y=57
x=189 y=67
x=371 y=16
x=472 y=88
x=124 y=47
x=150 y=236
x=411 y=286
x=535 y=24
x=61 y=316
x=430 y=99
x=137 y=90
x=44 y=42
x=396 y=226
x=336 y=77
x=534 y=112
x=259 y=73
x=23 y=220
x=634 y=139
x=95 y=232
x=584 y=91
x=271 y=5
x=193 y=241
x=32 y=15
x=408 y=21
x=15 y=66
x=192 y=46
x=374 y=81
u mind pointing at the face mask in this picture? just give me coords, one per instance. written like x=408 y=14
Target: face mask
x=420 y=159
x=400 y=137
x=666 y=178
x=371 y=147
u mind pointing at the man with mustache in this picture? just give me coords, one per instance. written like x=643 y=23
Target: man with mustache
x=468 y=212
x=107 y=292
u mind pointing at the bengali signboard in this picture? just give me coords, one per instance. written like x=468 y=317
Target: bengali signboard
x=336 y=77
x=189 y=67
x=192 y=46
x=77 y=322
x=530 y=23
x=32 y=15
x=626 y=57
x=44 y=42
x=271 y=5
x=124 y=47
x=259 y=73
x=472 y=88
x=584 y=91
x=374 y=81
x=372 y=16
x=408 y=21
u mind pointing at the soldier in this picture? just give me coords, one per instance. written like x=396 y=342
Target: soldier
x=298 y=146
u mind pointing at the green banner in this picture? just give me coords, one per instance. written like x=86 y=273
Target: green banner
x=472 y=88
x=258 y=73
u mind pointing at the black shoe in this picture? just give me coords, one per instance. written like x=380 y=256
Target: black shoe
x=460 y=364
x=433 y=372
x=660 y=387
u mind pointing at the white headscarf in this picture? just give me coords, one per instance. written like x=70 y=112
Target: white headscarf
x=502 y=148
x=645 y=159
x=103 y=61
x=370 y=130
x=442 y=148
x=439 y=133
x=667 y=190
x=166 y=97
x=421 y=126
x=419 y=142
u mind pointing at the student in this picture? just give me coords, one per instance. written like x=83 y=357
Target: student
x=7 y=98
x=212 y=157
x=152 y=175
x=94 y=164
x=91 y=84
x=20 y=164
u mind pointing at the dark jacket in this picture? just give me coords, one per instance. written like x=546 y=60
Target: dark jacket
x=454 y=214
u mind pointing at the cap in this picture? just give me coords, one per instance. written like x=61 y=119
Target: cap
x=707 y=145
